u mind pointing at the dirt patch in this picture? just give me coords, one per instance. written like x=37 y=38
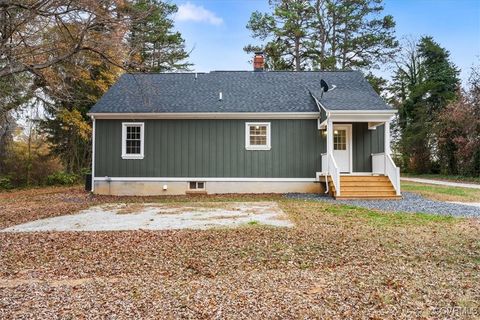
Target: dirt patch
x=156 y=216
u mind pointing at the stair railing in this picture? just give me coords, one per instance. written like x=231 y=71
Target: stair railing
x=382 y=163
x=334 y=173
x=393 y=173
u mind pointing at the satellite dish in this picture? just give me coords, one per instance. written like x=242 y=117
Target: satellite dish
x=323 y=85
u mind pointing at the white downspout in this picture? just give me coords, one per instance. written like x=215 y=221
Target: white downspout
x=329 y=148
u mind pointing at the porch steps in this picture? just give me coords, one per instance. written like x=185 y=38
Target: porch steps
x=364 y=187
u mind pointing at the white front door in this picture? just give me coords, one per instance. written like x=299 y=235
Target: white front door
x=342 y=137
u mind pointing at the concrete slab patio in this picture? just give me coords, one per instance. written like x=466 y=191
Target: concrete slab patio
x=162 y=216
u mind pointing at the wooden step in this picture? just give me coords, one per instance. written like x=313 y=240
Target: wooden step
x=363 y=178
x=381 y=188
x=368 y=193
x=395 y=197
x=363 y=187
x=365 y=183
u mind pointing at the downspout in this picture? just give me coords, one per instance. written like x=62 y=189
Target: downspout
x=327 y=188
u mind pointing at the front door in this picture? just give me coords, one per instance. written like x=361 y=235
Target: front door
x=342 y=136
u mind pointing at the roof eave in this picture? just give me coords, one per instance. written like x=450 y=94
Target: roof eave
x=204 y=115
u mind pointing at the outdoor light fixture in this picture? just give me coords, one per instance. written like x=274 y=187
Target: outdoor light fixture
x=336 y=132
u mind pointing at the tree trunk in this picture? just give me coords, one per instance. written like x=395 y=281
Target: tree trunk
x=297 y=54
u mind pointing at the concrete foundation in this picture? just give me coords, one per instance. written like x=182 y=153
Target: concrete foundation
x=154 y=188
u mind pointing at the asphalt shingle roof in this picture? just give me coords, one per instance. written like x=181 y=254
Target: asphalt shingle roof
x=242 y=91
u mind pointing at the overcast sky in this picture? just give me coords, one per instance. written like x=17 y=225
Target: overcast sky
x=215 y=29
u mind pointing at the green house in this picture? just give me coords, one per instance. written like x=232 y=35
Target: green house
x=243 y=132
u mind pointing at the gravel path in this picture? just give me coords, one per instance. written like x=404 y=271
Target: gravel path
x=411 y=202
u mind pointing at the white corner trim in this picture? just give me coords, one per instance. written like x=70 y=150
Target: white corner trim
x=207 y=115
x=92 y=187
x=248 y=146
x=197 y=179
x=124 y=141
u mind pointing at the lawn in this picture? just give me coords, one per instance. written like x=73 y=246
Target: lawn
x=443 y=193
x=337 y=262
x=452 y=178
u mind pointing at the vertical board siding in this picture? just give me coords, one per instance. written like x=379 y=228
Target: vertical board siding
x=365 y=142
x=211 y=148
x=216 y=148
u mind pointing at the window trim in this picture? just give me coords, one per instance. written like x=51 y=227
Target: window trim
x=124 y=140
x=196 y=186
x=248 y=146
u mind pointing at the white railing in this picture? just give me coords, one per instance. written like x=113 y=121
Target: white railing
x=382 y=163
x=334 y=173
x=330 y=168
x=378 y=163
x=393 y=172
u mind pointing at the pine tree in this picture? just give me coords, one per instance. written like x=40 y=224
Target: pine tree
x=287 y=33
x=425 y=82
x=325 y=34
x=155 y=46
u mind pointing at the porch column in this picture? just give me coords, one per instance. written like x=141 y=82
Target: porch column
x=387 y=138
x=329 y=137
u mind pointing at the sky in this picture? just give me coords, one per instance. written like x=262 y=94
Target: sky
x=215 y=30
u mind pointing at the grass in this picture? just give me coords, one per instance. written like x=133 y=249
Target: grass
x=442 y=193
x=339 y=261
x=453 y=178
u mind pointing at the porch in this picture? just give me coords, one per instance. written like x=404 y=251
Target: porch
x=357 y=162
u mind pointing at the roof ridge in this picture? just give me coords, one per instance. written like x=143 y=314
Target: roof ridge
x=241 y=71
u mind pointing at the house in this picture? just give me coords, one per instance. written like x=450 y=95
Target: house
x=243 y=132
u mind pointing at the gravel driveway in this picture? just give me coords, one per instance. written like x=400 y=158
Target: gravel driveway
x=159 y=216
x=411 y=202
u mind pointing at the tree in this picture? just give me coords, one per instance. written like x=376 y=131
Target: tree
x=458 y=130
x=84 y=79
x=287 y=30
x=68 y=53
x=26 y=44
x=379 y=84
x=155 y=47
x=326 y=34
x=425 y=82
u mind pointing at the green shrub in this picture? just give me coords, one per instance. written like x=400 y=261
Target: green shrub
x=62 y=178
x=6 y=183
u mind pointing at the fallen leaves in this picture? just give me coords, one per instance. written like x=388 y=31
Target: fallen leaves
x=332 y=264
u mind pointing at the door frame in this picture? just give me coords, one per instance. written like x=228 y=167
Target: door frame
x=348 y=127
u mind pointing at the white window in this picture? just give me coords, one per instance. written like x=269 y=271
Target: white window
x=257 y=136
x=340 y=139
x=196 y=186
x=132 y=140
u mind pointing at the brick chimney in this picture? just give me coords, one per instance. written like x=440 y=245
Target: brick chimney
x=259 y=61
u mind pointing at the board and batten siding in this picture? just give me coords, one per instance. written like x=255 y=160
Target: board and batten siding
x=211 y=148
x=365 y=142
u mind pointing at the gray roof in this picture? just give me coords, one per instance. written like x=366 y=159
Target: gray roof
x=242 y=91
